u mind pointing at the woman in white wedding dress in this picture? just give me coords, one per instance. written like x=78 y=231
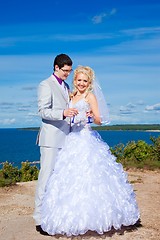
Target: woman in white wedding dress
x=88 y=189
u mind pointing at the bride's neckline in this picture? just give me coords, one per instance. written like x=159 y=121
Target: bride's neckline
x=74 y=103
x=79 y=98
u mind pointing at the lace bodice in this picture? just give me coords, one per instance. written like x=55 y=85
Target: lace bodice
x=82 y=106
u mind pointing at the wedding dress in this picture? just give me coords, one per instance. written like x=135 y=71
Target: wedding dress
x=88 y=189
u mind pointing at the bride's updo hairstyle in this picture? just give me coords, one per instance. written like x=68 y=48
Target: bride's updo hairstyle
x=88 y=72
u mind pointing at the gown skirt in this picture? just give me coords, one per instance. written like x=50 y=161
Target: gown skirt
x=88 y=189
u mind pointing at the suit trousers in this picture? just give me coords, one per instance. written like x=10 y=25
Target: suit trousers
x=47 y=163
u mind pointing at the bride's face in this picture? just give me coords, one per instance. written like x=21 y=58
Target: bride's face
x=81 y=82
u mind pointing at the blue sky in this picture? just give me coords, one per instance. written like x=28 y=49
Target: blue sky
x=120 y=40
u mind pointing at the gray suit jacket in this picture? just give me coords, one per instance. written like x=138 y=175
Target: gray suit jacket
x=52 y=100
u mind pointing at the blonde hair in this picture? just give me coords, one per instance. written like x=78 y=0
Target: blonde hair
x=89 y=73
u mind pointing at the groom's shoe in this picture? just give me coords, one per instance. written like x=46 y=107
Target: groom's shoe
x=40 y=230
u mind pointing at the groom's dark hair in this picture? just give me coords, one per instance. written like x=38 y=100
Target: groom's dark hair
x=61 y=60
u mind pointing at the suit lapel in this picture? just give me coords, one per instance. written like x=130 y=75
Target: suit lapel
x=63 y=92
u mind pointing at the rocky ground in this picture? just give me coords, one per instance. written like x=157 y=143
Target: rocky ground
x=17 y=205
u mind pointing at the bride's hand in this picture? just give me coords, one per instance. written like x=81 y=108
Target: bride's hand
x=70 y=112
x=89 y=113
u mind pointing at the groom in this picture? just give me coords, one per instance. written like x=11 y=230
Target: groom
x=53 y=102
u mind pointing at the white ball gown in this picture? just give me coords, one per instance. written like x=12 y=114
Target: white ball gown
x=88 y=189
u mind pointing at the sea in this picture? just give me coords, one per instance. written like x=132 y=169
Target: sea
x=19 y=145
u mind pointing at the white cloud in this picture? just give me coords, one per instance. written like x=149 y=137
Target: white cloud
x=54 y=37
x=35 y=114
x=126 y=110
x=22 y=109
x=7 y=121
x=11 y=41
x=140 y=102
x=50 y=38
x=99 y=18
x=155 y=107
x=130 y=105
x=141 y=31
x=30 y=88
x=6 y=104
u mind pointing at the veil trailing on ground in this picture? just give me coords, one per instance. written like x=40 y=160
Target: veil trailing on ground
x=102 y=105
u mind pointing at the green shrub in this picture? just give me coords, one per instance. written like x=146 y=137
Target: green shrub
x=137 y=151
x=9 y=174
x=28 y=172
x=118 y=151
x=139 y=154
x=156 y=148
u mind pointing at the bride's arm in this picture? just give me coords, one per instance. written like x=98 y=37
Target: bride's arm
x=91 y=99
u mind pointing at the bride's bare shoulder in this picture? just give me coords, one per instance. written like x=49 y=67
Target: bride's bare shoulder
x=90 y=97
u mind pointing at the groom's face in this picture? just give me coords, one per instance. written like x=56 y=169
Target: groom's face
x=63 y=72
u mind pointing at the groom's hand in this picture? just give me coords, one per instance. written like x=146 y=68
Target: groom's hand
x=70 y=112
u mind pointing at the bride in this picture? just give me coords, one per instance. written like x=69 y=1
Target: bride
x=88 y=189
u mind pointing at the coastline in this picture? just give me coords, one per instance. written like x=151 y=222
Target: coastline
x=134 y=127
x=152 y=130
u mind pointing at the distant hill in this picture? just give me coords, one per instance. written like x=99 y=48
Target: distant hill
x=142 y=127
x=124 y=127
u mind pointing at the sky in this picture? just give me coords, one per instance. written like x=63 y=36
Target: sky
x=120 y=40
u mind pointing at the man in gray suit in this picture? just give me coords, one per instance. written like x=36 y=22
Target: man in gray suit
x=53 y=102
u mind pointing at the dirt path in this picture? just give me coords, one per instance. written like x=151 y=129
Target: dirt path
x=17 y=205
